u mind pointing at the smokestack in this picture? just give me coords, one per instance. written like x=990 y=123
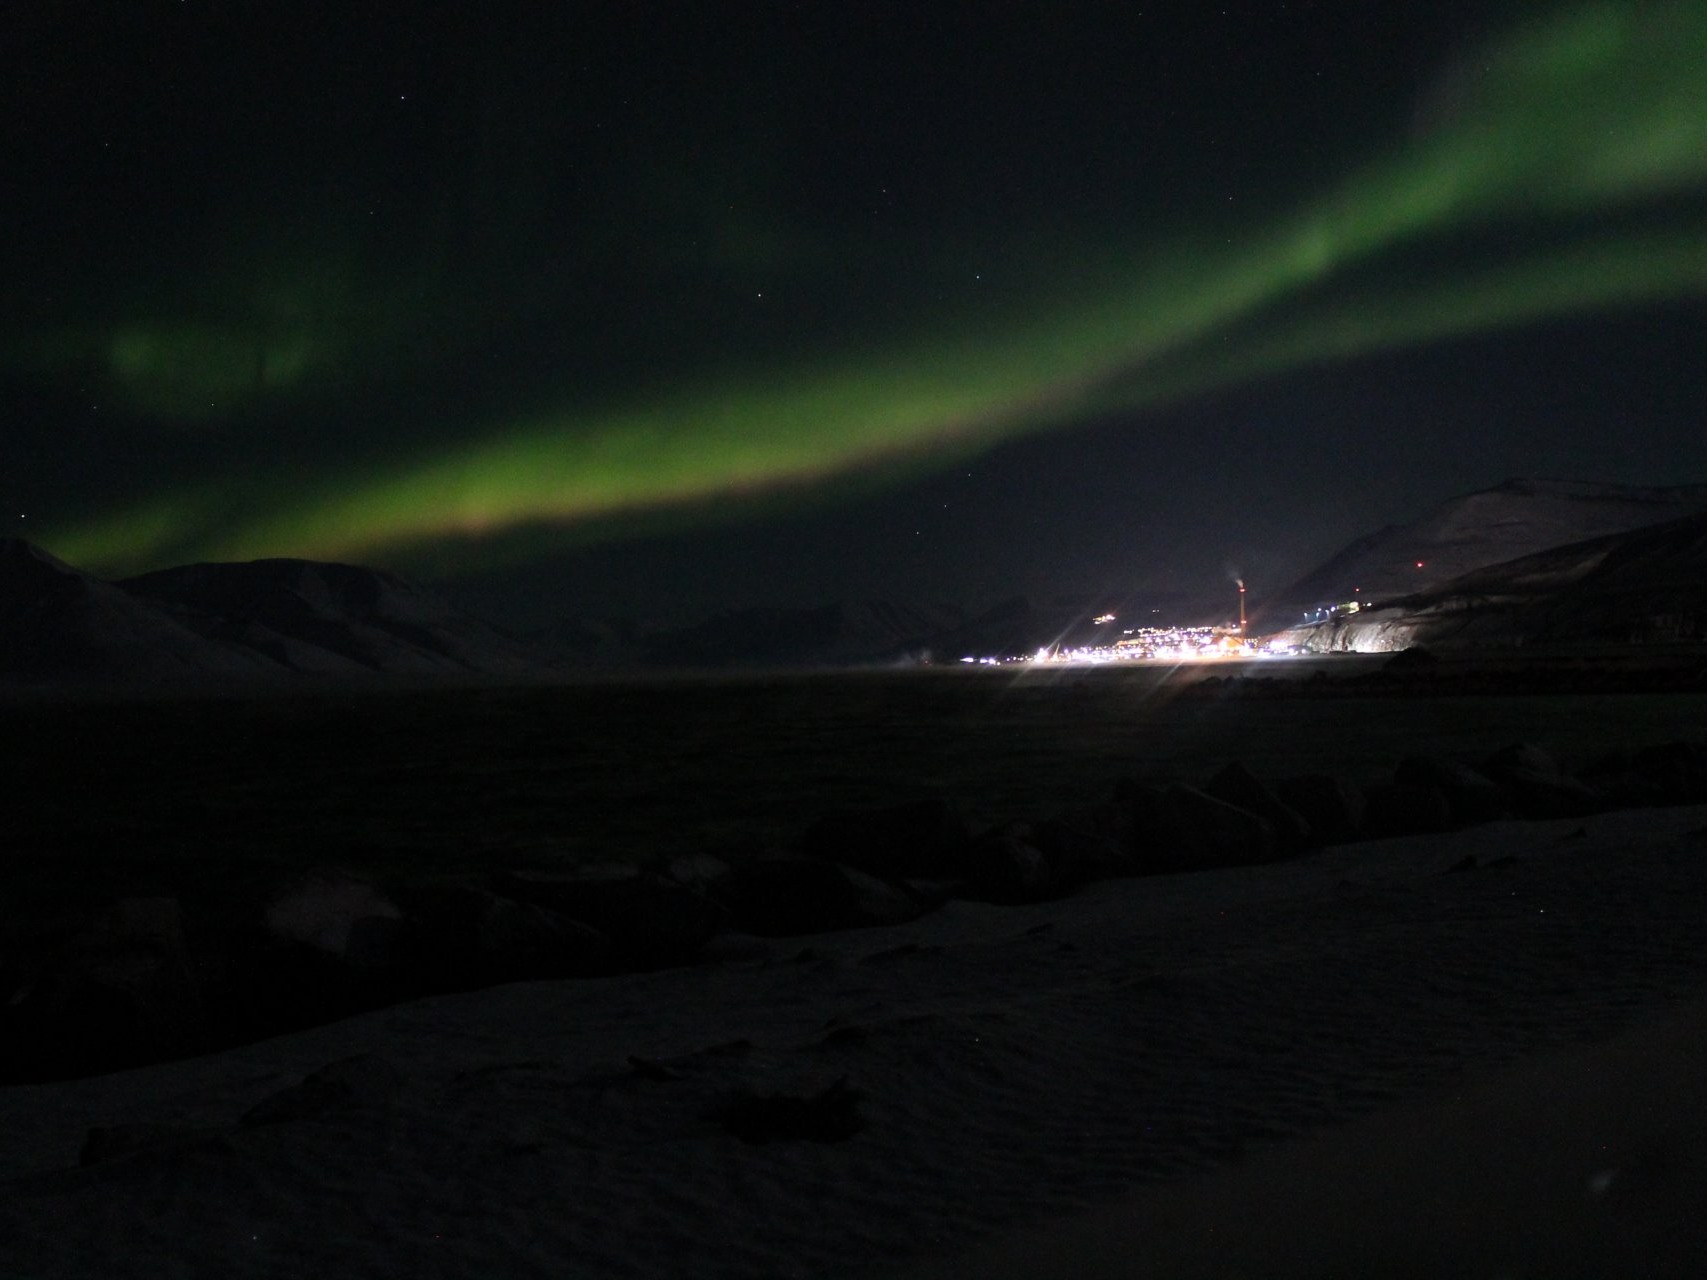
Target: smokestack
x=1241 y=583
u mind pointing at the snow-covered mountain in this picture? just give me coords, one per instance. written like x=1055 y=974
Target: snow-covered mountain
x=219 y=624
x=1645 y=586
x=58 y=624
x=1477 y=530
x=329 y=618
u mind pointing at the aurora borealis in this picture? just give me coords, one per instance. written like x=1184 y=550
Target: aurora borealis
x=484 y=290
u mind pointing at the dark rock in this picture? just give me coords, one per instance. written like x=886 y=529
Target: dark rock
x=830 y=1116
x=1628 y=791
x=471 y=937
x=1607 y=764
x=349 y=1084
x=1536 y=785
x=324 y=945
x=651 y=922
x=1086 y=845
x=1238 y=786
x=114 y=1142
x=522 y=940
x=1333 y=807
x=1005 y=865
x=1472 y=796
x=919 y=838
x=1618 y=783
x=703 y=872
x=1415 y=658
x=1677 y=769
x=1521 y=757
x=739 y=1047
x=339 y=915
x=930 y=894
x=648 y=1069
x=780 y=897
x=115 y=989
x=1395 y=809
x=905 y=952
x=1178 y=828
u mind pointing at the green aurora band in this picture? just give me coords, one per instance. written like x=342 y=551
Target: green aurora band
x=1572 y=131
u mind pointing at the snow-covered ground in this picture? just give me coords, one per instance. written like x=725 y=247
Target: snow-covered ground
x=1504 y=1059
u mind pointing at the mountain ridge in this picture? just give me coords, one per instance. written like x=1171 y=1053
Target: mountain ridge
x=1641 y=586
x=253 y=623
x=1471 y=531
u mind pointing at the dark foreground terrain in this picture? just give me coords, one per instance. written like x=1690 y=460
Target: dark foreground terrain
x=162 y=795
x=669 y=978
x=184 y=874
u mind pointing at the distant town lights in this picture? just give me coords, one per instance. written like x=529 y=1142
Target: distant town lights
x=1155 y=644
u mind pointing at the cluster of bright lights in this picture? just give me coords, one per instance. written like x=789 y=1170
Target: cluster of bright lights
x=1328 y=612
x=1154 y=644
x=1151 y=644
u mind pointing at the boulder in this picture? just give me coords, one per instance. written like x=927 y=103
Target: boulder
x=1237 y=785
x=116 y=988
x=1536 y=785
x=831 y=1115
x=1179 y=828
x=1412 y=660
x=115 y=1142
x=1004 y=864
x=341 y=916
x=321 y=945
x=1406 y=809
x=516 y=941
x=1085 y=845
x=1618 y=783
x=471 y=937
x=1677 y=769
x=364 y=1081
x=783 y=896
x=704 y=872
x=651 y=922
x=1333 y=807
x=1471 y=795
x=918 y=838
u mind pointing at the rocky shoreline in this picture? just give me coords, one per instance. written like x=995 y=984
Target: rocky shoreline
x=123 y=983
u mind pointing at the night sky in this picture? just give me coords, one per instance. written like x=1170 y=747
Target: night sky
x=654 y=308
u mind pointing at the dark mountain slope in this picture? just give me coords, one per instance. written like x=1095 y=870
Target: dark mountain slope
x=1647 y=586
x=1477 y=530
x=218 y=625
